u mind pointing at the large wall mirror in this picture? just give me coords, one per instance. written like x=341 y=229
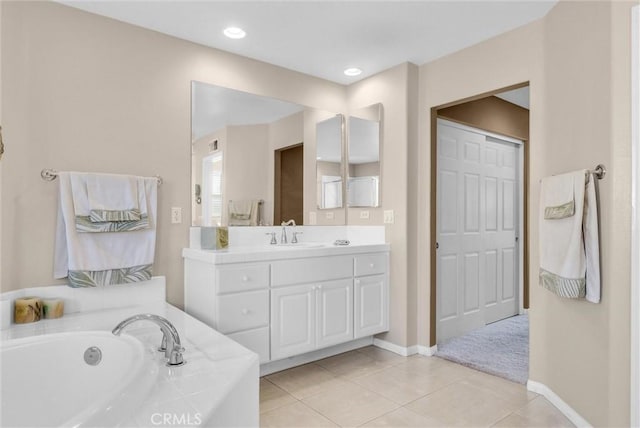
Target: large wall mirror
x=363 y=182
x=254 y=159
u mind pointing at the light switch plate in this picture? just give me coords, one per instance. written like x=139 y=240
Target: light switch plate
x=388 y=217
x=313 y=218
x=364 y=214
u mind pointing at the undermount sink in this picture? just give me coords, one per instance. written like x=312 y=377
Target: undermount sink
x=297 y=245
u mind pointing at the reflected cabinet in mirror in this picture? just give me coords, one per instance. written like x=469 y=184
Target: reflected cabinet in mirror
x=254 y=159
x=363 y=182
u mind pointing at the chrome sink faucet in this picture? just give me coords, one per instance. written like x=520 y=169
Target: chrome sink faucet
x=170 y=339
x=283 y=238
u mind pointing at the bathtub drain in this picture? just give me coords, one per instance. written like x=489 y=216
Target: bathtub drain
x=93 y=356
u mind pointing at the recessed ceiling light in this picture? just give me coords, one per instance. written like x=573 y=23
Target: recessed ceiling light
x=234 y=32
x=353 y=71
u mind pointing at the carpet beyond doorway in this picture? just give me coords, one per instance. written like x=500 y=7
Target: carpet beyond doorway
x=500 y=348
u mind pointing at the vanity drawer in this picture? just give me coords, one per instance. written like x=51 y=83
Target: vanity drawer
x=243 y=277
x=242 y=311
x=370 y=264
x=301 y=271
x=255 y=340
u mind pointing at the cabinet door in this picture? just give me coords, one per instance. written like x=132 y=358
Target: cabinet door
x=334 y=303
x=293 y=320
x=371 y=305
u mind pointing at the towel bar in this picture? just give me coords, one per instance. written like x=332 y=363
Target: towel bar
x=52 y=174
x=599 y=172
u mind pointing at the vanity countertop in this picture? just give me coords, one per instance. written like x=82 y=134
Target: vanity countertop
x=243 y=254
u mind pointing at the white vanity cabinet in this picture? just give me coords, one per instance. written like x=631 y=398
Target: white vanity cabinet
x=233 y=299
x=371 y=294
x=310 y=316
x=285 y=303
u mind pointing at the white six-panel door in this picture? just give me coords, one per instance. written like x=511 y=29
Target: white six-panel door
x=477 y=225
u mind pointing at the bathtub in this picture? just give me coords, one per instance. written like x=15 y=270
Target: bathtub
x=46 y=381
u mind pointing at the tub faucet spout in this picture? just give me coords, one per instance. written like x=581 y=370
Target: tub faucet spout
x=170 y=339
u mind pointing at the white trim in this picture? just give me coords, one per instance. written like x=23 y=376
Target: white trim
x=635 y=217
x=480 y=131
x=558 y=402
x=298 y=360
x=405 y=351
x=428 y=351
x=396 y=349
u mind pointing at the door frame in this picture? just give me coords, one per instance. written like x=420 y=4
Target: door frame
x=523 y=214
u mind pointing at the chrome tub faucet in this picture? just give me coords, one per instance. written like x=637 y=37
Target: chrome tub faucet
x=170 y=339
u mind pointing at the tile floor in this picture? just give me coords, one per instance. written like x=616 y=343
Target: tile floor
x=375 y=388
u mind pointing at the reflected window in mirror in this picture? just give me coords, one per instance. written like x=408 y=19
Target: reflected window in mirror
x=212 y=192
x=363 y=182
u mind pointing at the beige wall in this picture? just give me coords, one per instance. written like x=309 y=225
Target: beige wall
x=491 y=114
x=285 y=132
x=392 y=88
x=587 y=122
x=116 y=99
x=576 y=60
x=245 y=164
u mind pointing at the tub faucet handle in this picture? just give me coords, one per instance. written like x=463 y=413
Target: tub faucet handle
x=295 y=237
x=273 y=238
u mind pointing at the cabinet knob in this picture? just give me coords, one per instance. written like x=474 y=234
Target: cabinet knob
x=371 y=265
x=313 y=287
x=320 y=287
x=245 y=312
x=245 y=278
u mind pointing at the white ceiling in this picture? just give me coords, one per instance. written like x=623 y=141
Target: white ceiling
x=322 y=38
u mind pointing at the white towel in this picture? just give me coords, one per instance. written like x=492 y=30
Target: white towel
x=105 y=197
x=569 y=247
x=90 y=259
x=243 y=213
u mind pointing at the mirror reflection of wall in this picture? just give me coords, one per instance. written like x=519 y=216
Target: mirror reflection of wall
x=363 y=183
x=236 y=138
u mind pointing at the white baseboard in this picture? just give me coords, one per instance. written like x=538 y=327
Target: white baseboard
x=428 y=351
x=554 y=399
x=298 y=360
x=403 y=350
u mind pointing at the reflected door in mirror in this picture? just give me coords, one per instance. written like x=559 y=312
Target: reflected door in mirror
x=288 y=192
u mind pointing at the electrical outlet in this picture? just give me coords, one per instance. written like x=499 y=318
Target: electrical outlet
x=329 y=215
x=176 y=215
x=364 y=214
x=313 y=218
x=388 y=216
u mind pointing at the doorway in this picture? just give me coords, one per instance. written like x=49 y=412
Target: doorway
x=288 y=182
x=479 y=218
